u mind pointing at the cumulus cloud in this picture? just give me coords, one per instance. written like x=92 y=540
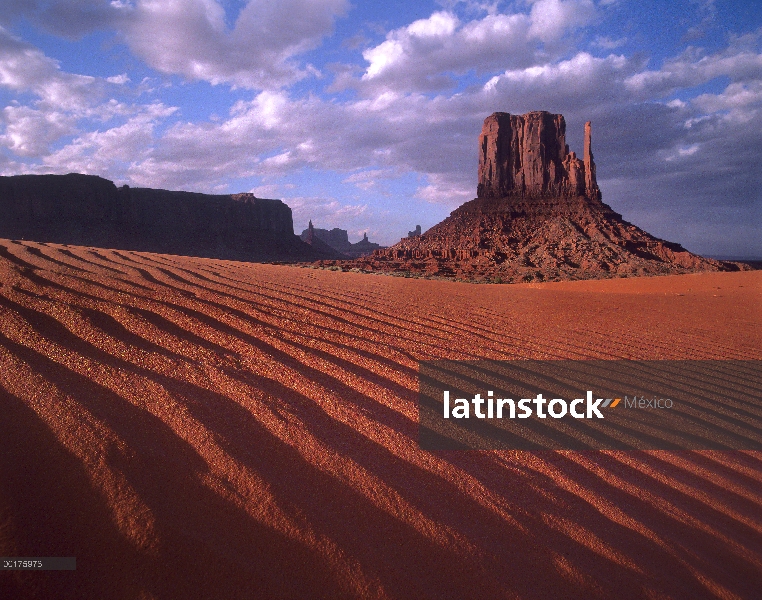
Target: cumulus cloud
x=420 y=55
x=274 y=134
x=424 y=55
x=551 y=19
x=450 y=189
x=29 y=132
x=370 y=179
x=607 y=43
x=191 y=38
x=740 y=61
x=112 y=152
x=741 y=100
x=60 y=101
x=586 y=80
x=24 y=68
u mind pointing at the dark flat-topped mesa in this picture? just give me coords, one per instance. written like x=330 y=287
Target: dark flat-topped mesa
x=527 y=155
x=92 y=211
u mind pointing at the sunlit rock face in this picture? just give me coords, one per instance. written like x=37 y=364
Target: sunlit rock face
x=527 y=155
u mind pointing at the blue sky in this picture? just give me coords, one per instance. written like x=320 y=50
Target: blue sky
x=365 y=115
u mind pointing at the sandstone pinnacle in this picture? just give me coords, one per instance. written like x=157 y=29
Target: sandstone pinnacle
x=527 y=155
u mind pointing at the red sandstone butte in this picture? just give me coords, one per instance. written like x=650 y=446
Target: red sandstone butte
x=528 y=155
x=538 y=216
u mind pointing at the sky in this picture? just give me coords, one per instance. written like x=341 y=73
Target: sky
x=366 y=115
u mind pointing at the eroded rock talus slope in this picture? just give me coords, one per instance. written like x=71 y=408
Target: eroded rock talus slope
x=538 y=215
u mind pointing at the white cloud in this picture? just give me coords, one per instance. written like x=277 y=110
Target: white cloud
x=24 y=68
x=118 y=79
x=420 y=55
x=743 y=100
x=551 y=19
x=29 y=132
x=426 y=54
x=112 y=152
x=61 y=102
x=446 y=188
x=581 y=81
x=190 y=38
x=607 y=43
x=741 y=61
x=369 y=179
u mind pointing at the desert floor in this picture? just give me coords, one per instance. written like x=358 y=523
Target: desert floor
x=192 y=428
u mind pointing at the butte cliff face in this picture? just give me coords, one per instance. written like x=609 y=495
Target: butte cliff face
x=91 y=211
x=527 y=155
x=538 y=216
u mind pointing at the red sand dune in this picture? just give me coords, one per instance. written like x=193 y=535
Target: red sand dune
x=193 y=428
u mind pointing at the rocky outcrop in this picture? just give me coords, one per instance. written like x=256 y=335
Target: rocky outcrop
x=338 y=240
x=311 y=237
x=519 y=239
x=538 y=217
x=527 y=155
x=364 y=247
x=92 y=211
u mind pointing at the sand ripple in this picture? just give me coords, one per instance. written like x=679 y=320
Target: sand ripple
x=195 y=428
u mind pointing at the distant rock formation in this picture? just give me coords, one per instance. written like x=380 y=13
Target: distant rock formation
x=92 y=211
x=414 y=233
x=538 y=216
x=338 y=240
x=312 y=237
x=364 y=247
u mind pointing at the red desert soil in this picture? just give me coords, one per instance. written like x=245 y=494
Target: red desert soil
x=193 y=428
